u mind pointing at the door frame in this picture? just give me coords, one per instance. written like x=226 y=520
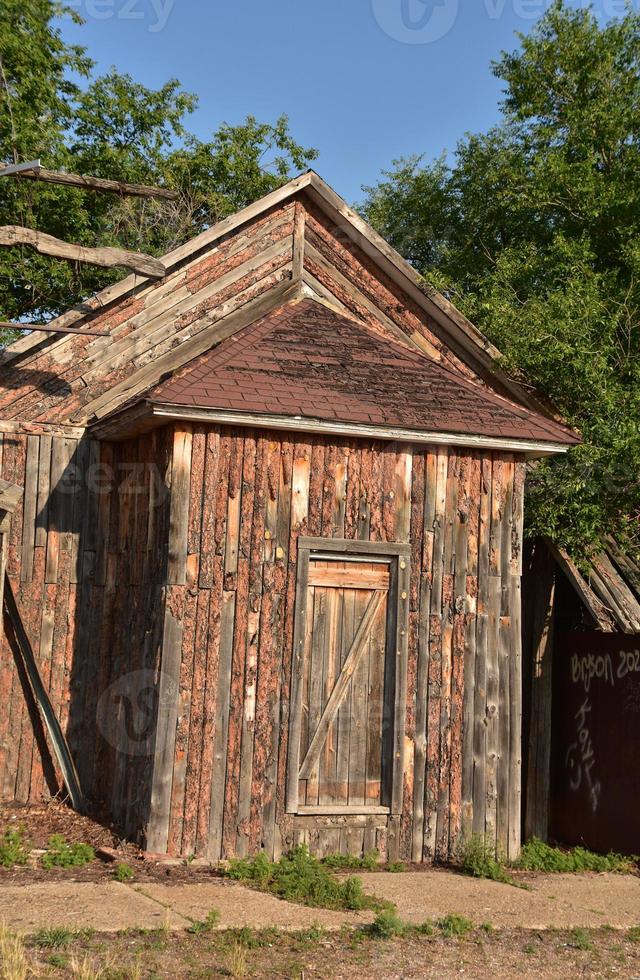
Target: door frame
x=397 y=639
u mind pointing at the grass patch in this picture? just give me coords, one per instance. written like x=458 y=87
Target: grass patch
x=123 y=872
x=14 y=963
x=60 y=854
x=538 y=856
x=633 y=934
x=207 y=924
x=386 y=925
x=454 y=926
x=478 y=858
x=14 y=848
x=347 y=862
x=56 y=937
x=581 y=939
x=300 y=877
x=396 y=867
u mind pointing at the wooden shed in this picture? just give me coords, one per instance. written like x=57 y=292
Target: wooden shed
x=269 y=550
x=581 y=654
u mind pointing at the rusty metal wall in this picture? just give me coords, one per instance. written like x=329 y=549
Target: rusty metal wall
x=595 y=771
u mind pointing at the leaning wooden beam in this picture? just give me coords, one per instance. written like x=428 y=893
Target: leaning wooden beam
x=628 y=568
x=89 y=183
x=7 y=325
x=600 y=613
x=60 y=745
x=145 y=265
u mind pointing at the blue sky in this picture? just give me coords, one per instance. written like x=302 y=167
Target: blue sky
x=365 y=81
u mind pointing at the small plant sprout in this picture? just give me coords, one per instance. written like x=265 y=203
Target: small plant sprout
x=123 y=872
x=60 y=854
x=207 y=924
x=14 y=848
x=454 y=926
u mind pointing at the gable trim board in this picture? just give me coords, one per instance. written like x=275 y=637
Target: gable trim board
x=461 y=335
x=148 y=415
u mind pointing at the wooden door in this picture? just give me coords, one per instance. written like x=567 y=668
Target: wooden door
x=344 y=687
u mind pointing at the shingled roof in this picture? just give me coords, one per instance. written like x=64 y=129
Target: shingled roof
x=306 y=360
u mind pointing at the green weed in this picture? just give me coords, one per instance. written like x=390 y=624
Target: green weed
x=454 y=926
x=581 y=939
x=207 y=924
x=60 y=854
x=14 y=848
x=536 y=855
x=396 y=867
x=300 y=877
x=369 y=862
x=478 y=858
x=55 y=937
x=634 y=934
x=386 y=925
x=123 y=872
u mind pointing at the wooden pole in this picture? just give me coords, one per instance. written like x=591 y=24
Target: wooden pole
x=145 y=265
x=8 y=325
x=36 y=172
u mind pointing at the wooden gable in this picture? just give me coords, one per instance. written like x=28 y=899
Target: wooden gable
x=300 y=240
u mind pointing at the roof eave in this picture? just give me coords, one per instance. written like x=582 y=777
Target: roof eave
x=147 y=415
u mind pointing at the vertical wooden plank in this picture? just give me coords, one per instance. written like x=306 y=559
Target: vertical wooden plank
x=359 y=712
x=505 y=652
x=316 y=683
x=471 y=609
x=256 y=558
x=157 y=833
x=333 y=648
x=295 y=711
x=348 y=631
x=223 y=693
x=239 y=663
x=179 y=513
x=30 y=504
x=435 y=656
x=298 y=241
x=540 y=584
x=515 y=664
x=461 y=560
x=444 y=795
x=423 y=563
x=44 y=474
x=492 y=676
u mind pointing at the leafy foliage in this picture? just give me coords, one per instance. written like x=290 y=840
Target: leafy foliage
x=60 y=854
x=386 y=925
x=53 y=107
x=300 y=877
x=478 y=858
x=536 y=855
x=454 y=926
x=208 y=924
x=532 y=231
x=14 y=848
x=123 y=872
x=368 y=862
x=55 y=937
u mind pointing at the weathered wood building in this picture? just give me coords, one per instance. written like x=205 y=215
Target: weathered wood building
x=269 y=548
x=581 y=710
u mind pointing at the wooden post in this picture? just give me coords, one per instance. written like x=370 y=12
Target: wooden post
x=538 y=629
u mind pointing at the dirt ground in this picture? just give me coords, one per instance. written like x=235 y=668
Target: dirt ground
x=500 y=954
x=554 y=926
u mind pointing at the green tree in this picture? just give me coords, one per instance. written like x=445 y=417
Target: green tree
x=52 y=106
x=533 y=232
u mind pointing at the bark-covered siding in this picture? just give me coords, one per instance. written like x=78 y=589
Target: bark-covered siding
x=87 y=560
x=180 y=546
x=230 y=613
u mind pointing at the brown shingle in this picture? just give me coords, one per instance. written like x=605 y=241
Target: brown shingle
x=306 y=360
